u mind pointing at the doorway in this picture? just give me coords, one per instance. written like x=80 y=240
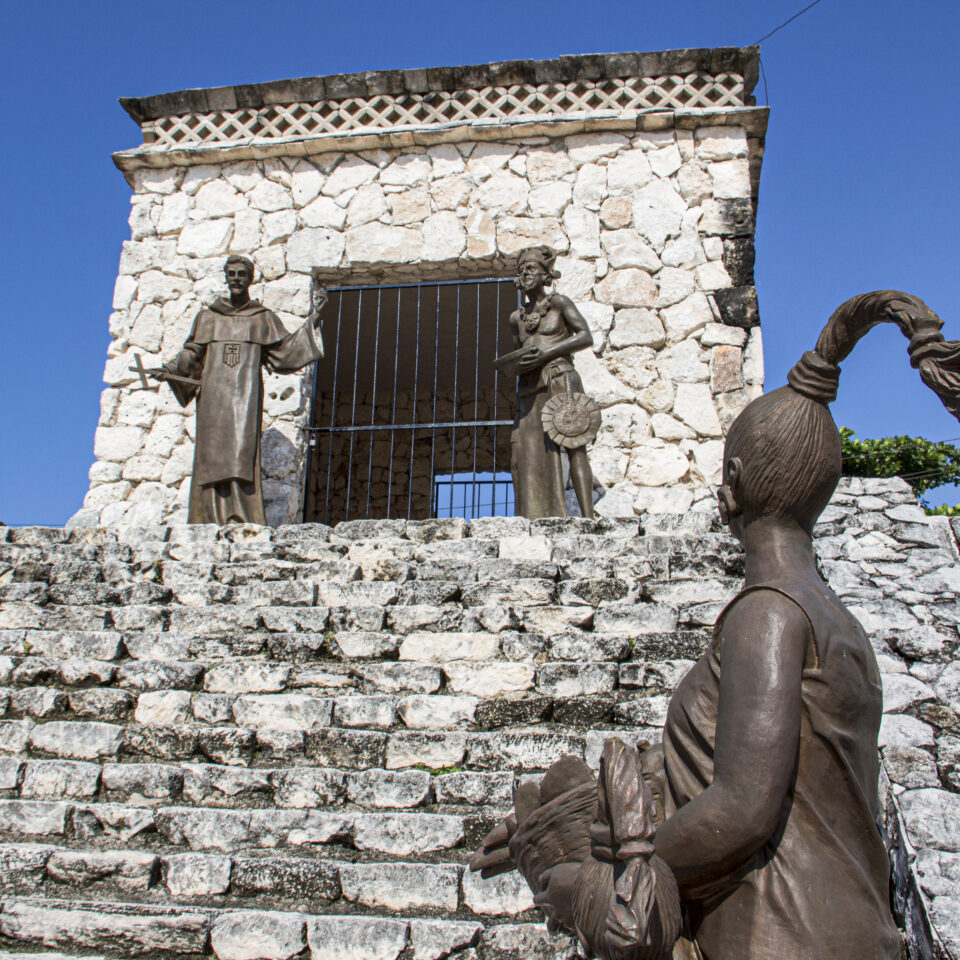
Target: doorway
x=410 y=419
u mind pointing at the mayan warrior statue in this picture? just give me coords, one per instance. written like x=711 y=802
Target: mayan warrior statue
x=766 y=779
x=552 y=410
x=221 y=366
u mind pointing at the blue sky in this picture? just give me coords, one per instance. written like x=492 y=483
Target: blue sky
x=859 y=187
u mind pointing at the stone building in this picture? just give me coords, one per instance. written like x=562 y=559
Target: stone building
x=642 y=170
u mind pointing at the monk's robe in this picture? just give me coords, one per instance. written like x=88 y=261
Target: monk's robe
x=227 y=349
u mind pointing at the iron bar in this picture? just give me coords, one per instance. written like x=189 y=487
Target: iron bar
x=436 y=366
x=440 y=425
x=413 y=415
x=353 y=409
x=496 y=393
x=393 y=407
x=456 y=393
x=333 y=410
x=373 y=401
x=476 y=385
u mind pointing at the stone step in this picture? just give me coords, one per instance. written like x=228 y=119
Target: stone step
x=475 y=697
x=219 y=880
x=515 y=745
x=117 y=929
x=366 y=569
x=215 y=785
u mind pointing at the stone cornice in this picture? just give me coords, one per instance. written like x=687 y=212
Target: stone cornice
x=752 y=119
x=737 y=60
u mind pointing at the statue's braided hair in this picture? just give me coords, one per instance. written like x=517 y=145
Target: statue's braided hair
x=787 y=441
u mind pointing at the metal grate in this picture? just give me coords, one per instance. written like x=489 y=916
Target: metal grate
x=470 y=495
x=409 y=414
x=439 y=107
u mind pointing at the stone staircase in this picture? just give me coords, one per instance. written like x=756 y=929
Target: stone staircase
x=259 y=742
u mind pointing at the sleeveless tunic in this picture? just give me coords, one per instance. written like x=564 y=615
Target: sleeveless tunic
x=792 y=899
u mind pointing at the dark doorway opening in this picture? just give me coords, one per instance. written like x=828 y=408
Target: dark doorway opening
x=410 y=418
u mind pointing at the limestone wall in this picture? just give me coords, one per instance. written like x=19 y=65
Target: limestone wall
x=649 y=223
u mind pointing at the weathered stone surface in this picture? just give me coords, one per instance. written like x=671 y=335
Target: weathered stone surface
x=932 y=818
x=389 y=789
x=356 y=938
x=195 y=875
x=433 y=750
x=58 y=779
x=488 y=680
x=257 y=935
x=436 y=712
x=526 y=941
x=129 y=871
x=294 y=878
x=290 y=711
x=224 y=830
x=77 y=740
x=442 y=647
x=434 y=939
x=87 y=929
x=401 y=886
x=507 y=894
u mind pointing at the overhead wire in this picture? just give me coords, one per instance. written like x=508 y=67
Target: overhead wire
x=766 y=36
x=799 y=13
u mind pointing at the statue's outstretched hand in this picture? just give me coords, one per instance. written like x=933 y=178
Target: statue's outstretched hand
x=320 y=300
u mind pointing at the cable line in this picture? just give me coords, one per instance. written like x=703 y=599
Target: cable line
x=767 y=36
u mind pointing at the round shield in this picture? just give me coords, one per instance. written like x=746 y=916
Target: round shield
x=571 y=420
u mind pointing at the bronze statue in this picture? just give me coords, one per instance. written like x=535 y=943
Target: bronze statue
x=221 y=366
x=767 y=775
x=551 y=408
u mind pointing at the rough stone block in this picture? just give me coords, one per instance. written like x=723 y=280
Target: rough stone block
x=401 y=886
x=290 y=877
x=356 y=938
x=127 y=870
x=488 y=680
x=389 y=789
x=78 y=740
x=307 y=787
x=433 y=750
x=434 y=939
x=505 y=895
x=433 y=647
x=258 y=935
x=58 y=779
x=103 y=929
x=291 y=711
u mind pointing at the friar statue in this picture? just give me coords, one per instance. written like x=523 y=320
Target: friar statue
x=551 y=408
x=230 y=343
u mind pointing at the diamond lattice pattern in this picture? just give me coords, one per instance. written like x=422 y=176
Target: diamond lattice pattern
x=393 y=112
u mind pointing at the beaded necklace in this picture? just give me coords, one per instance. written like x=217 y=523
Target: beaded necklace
x=532 y=318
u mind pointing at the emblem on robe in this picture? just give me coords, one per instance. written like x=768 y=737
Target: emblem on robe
x=231 y=354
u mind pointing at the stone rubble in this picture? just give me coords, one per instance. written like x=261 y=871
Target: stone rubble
x=259 y=741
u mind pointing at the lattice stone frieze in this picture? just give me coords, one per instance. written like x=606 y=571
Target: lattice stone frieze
x=580 y=98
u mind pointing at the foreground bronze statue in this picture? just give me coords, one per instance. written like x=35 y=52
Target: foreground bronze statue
x=766 y=781
x=231 y=341
x=551 y=410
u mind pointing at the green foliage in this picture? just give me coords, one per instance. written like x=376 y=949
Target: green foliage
x=924 y=464
x=944 y=511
